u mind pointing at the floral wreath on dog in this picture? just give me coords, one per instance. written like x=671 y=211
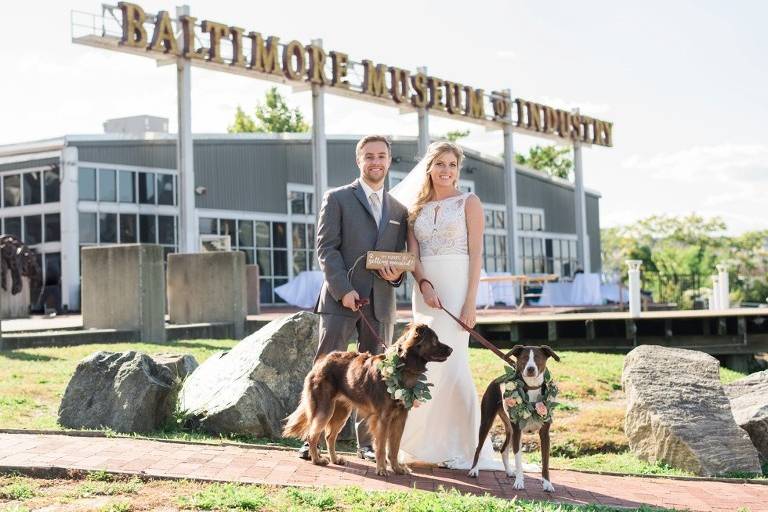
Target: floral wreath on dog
x=519 y=407
x=389 y=367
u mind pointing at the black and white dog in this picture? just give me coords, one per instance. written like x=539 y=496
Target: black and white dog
x=531 y=363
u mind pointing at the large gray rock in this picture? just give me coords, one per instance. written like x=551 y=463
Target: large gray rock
x=678 y=413
x=254 y=386
x=749 y=403
x=180 y=365
x=124 y=391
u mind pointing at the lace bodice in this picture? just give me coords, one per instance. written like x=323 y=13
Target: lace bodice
x=441 y=227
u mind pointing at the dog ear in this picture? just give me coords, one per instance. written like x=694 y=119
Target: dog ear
x=516 y=351
x=551 y=353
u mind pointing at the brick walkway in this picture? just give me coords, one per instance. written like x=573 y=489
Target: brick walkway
x=282 y=467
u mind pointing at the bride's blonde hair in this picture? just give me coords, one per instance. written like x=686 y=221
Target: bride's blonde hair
x=427 y=191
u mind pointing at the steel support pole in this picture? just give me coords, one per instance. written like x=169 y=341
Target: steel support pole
x=423 y=125
x=510 y=194
x=188 y=230
x=580 y=210
x=319 y=144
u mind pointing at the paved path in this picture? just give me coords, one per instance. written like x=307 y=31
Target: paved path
x=282 y=467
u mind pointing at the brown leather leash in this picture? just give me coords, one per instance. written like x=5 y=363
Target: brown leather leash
x=487 y=344
x=364 y=302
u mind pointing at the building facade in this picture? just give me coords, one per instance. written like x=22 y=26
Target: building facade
x=60 y=195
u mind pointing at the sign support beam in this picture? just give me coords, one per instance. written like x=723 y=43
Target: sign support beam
x=580 y=210
x=510 y=193
x=188 y=229
x=319 y=143
x=423 y=125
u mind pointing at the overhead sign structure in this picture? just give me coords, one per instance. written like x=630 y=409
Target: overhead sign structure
x=232 y=49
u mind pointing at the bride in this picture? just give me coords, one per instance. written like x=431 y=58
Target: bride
x=445 y=231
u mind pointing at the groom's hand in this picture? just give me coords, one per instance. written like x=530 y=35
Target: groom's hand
x=389 y=273
x=350 y=300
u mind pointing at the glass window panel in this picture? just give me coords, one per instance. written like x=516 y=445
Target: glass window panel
x=31 y=188
x=280 y=261
x=527 y=247
x=527 y=222
x=108 y=228
x=13 y=227
x=498 y=243
x=279 y=238
x=557 y=268
x=299 y=262
x=107 y=185
x=12 y=190
x=489 y=216
x=313 y=264
x=310 y=202
x=264 y=261
x=147 y=232
x=147 y=187
x=310 y=235
x=33 y=229
x=207 y=226
x=262 y=234
x=527 y=265
x=572 y=245
x=128 y=228
x=519 y=221
x=227 y=227
x=52 y=227
x=165 y=189
x=537 y=247
x=488 y=242
x=555 y=249
x=52 y=269
x=536 y=226
x=87 y=227
x=265 y=291
x=499 y=219
x=248 y=256
x=51 y=185
x=297 y=202
x=501 y=265
x=299 y=236
x=165 y=229
x=86 y=183
x=490 y=264
x=127 y=187
x=245 y=233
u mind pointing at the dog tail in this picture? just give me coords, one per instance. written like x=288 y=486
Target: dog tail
x=297 y=424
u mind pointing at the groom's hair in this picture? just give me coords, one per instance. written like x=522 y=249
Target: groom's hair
x=371 y=138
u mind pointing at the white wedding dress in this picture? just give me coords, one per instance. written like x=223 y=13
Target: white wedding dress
x=444 y=430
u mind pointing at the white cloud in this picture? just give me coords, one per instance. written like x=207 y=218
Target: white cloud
x=506 y=54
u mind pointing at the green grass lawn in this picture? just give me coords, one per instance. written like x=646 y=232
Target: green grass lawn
x=587 y=433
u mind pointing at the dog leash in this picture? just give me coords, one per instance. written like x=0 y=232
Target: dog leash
x=487 y=344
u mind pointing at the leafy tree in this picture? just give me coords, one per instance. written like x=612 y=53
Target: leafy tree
x=455 y=135
x=272 y=116
x=549 y=159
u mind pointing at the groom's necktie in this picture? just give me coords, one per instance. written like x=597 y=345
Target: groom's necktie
x=375 y=206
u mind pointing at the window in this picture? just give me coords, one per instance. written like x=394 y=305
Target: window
x=244 y=233
x=303 y=241
x=127 y=187
x=107 y=185
x=128 y=228
x=32 y=190
x=301 y=202
x=166 y=229
x=147 y=188
x=33 y=229
x=86 y=180
x=51 y=185
x=87 y=228
x=531 y=220
x=52 y=227
x=12 y=190
x=165 y=189
x=147 y=231
x=207 y=226
x=108 y=228
x=227 y=227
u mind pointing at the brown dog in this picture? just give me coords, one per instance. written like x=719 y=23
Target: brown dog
x=530 y=364
x=342 y=381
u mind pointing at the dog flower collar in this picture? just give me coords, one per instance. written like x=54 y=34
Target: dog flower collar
x=519 y=407
x=389 y=368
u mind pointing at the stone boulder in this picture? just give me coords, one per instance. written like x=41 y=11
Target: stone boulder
x=180 y=365
x=677 y=412
x=124 y=391
x=254 y=386
x=749 y=403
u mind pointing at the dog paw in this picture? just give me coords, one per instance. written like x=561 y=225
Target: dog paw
x=401 y=470
x=473 y=472
x=321 y=461
x=339 y=461
x=519 y=482
x=547 y=486
x=382 y=472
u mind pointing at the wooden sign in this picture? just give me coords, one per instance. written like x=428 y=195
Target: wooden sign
x=404 y=261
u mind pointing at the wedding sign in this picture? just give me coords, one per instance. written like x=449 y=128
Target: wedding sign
x=404 y=261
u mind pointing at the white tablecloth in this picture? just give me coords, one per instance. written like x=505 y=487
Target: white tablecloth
x=613 y=292
x=303 y=290
x=489 y=293
x=584 y=290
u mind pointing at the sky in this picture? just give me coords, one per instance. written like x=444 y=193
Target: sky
x=683 y=82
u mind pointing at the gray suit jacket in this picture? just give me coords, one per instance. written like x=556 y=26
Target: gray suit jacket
x=346 y=231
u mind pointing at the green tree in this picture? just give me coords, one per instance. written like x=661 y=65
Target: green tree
x=455 y=135
x=549 y=159
x=272 y=116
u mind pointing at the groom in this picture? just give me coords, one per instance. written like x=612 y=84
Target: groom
x=355 y=219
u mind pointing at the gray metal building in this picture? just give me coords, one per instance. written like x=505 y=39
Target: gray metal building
x=62 y=194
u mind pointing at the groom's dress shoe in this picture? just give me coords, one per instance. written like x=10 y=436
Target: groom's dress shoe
x=366 y=453
x=304 y=452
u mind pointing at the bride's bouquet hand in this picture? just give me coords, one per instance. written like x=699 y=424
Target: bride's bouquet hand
x=468 y=314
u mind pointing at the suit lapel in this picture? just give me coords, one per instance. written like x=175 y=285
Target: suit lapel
x=360 y=195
